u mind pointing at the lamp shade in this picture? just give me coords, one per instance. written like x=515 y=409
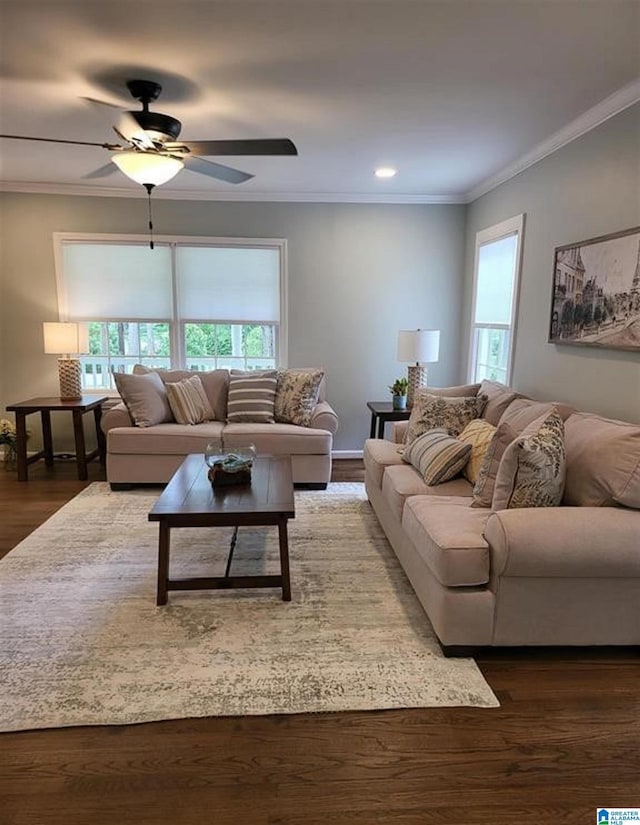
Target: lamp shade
x=65 y=338
x=419 y=346
x=147 y=167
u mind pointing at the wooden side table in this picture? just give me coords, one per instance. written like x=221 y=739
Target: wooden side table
x=381 y=412
x=45 y=406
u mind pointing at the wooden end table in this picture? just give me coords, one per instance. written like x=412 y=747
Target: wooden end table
x=381 y=412
x=45 y=406
x=189 y=500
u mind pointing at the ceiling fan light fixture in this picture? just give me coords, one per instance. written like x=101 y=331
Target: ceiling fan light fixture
x=385 y=172
x=147 y=168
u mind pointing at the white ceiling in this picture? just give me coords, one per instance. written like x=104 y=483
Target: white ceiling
x=456 y=94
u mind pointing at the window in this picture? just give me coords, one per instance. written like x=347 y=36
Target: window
x=198 y=304
x=495 y=300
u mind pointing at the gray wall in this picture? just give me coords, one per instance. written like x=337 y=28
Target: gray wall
x=590 y=187
x=357 y=274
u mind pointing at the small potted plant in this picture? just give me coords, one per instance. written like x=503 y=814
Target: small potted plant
x=399 y=392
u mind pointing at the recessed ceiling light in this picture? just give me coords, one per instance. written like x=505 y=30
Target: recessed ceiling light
x=385 y=172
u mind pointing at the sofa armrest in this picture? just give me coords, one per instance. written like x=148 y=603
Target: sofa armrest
x=117 y=416
x=399 y=431
x=569 y=542
x=324 y=418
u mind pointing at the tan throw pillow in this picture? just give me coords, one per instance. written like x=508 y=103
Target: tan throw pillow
x=532 y=469
x=431 y=412
x=499 y=398
x=145 y=397
x=437 y=456
x=214 y=382
x=188 y=401
x=251 y=396
x=478 y=433
x=297 y=396
x=516 y=418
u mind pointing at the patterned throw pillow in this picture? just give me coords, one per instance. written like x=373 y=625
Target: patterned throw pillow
x=478 y=433
x=533 y=467
x=297 y=396
x=188 y=401
x=145 y=398
x=437 y=456
x=251 y=396
x=431 y=412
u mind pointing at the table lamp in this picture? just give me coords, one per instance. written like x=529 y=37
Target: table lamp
x=67 y=339
x=422 y=347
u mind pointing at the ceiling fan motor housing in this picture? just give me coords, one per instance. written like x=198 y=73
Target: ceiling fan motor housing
x=158 y=126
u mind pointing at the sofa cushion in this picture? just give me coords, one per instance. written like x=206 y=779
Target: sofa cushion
x=401 y=482
x=215 y=383
x=278 y=439
x=145 y=397
x=164 y=439
x=437 y=456
x=499 y=397
x=430 y=412
x=532 y=469
x=297 y=396
x=379 y=453
x=518 y=415
x=252 y=396
x=603 y=462
x=478 y=433
x=448 y=535
x=188 y=401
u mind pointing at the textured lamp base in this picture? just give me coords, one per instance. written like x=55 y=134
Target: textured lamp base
x=417 y=376
x=70 y=374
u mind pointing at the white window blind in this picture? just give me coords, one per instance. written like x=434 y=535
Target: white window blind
x=228 y=284
x=496 y=269
x=113 y=282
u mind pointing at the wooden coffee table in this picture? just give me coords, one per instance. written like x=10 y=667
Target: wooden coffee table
x=189 y=500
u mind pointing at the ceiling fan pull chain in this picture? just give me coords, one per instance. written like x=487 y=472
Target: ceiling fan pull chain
x=149 y=187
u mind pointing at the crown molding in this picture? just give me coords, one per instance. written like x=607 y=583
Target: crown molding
x=32 y=187
x=609 y=107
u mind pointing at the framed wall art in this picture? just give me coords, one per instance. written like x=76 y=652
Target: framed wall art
x=596 y=292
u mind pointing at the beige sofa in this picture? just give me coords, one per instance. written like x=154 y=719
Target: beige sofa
x=150 y=455
x=567 y=575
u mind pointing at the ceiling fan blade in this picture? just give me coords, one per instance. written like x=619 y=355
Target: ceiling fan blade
x=111 y=146
x=258 y=146
x=216 y=170
x=102 y=172
x=95 y=102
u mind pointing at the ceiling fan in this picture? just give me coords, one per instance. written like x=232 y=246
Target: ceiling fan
x=150 y=152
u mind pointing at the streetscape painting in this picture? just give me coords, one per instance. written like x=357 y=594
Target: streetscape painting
x=596 y=292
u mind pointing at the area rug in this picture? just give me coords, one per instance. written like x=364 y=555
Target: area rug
x=82 y=641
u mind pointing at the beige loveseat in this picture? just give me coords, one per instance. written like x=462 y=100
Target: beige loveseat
x=150 y=455
x=567 y=575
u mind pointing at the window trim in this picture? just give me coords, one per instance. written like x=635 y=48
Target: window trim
x=177 y=322
x=510 y=226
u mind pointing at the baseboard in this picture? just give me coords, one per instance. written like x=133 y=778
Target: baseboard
x=336 y=455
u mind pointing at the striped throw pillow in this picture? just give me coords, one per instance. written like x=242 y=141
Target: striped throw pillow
x=437 y=456
x=188 y=401
x=252 y=396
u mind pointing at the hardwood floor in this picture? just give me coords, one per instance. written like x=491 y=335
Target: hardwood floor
x=565 y=740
